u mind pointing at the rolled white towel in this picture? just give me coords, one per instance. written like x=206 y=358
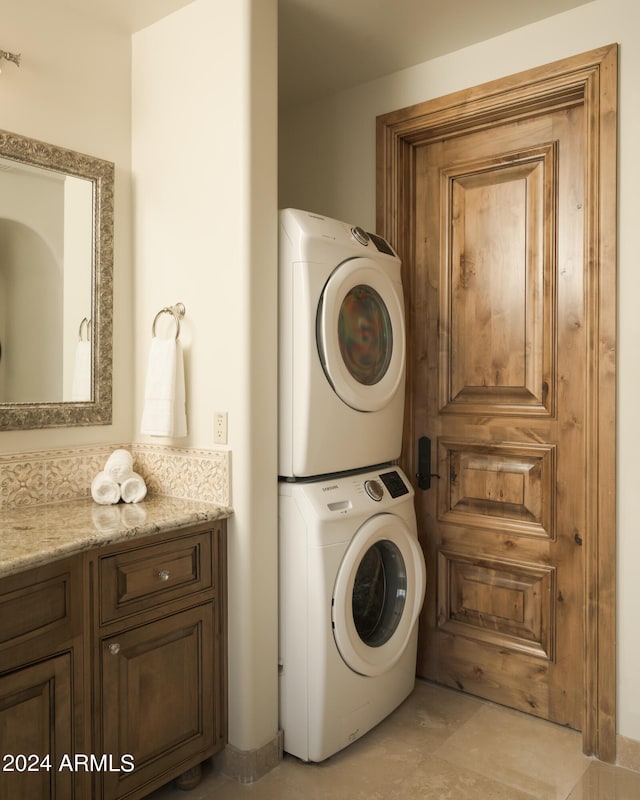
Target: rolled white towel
x=133 y=489
x=119 y=465
x=105 y=490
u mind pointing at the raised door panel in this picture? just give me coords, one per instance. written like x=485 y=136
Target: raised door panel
x=509 y=604
x=497 y=282
x=498 y=487
x=36 y=731
x=157 y=699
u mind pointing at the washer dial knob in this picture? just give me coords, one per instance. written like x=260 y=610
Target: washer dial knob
x=374 y=489
x=360 y=235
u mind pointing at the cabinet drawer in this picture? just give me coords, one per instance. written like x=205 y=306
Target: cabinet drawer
x=140 y=578
x=38 y=602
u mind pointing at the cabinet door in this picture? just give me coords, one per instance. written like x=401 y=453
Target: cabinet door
x=157 y=700
x=36 y=731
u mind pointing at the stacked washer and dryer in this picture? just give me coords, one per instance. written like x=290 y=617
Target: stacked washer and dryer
x=352 y=575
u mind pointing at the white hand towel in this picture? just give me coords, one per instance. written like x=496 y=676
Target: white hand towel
x=81 y=385
x=164 y=406
x=133 y=489
x=119 y=465
x=105 y=490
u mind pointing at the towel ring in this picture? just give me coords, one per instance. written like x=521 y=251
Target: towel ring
x=86 y=323
x=177 y=311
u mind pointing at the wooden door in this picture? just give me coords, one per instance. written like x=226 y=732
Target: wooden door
x=494 y=199
x=499 y=387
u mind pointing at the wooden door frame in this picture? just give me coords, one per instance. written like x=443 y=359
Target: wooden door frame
x=590 y=80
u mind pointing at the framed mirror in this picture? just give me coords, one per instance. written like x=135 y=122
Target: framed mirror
x=56 y=286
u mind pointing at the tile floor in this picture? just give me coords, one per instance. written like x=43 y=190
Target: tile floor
x=439 y=745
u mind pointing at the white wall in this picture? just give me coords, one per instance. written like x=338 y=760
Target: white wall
x=340 y=181
x=73 y=89
x=204 y=164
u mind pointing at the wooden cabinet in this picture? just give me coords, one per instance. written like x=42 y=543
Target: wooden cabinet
x=35 y=712
x=42 y=681
x=113 y=668
x=159 y=651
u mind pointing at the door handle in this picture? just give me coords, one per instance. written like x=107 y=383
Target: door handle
x=424 y=473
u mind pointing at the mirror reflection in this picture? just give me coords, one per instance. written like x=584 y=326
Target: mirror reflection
x=46 y=263
x=56 y=252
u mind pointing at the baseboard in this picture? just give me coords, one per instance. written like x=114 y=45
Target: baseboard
x=628 y=753
x=247 y=766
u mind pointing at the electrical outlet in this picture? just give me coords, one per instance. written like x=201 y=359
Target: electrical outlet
x=220 y=427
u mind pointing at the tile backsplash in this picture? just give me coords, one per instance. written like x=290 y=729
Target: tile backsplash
x=190 y=474
x=51 y=476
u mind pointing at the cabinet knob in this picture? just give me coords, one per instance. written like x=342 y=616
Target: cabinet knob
x=114 y=648
x=164 y=574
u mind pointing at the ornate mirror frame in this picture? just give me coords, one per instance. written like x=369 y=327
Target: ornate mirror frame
x=98 y=411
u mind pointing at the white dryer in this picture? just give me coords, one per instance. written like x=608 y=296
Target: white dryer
x=352 y=583
x=341 y=347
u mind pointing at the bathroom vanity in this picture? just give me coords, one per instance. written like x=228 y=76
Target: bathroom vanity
x=112 y=647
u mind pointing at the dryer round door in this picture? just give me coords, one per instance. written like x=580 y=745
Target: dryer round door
x=378 y=595
x=360 y=334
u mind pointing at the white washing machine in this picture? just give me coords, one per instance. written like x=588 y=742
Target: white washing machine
x=341 y=347
x=352 y=582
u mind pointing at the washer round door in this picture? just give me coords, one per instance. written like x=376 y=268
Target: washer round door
x=360 y=334
x=378 y=595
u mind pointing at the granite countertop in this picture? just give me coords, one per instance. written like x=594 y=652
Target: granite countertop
x=40 y=534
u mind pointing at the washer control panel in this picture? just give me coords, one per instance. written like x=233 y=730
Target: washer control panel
x=359 y=493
